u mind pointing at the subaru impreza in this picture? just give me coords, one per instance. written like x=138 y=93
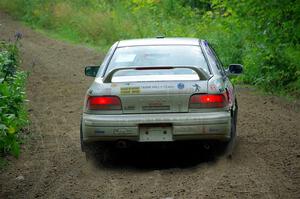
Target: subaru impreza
x=159 y=90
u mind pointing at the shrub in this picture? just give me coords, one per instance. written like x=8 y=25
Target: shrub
x=13 y=115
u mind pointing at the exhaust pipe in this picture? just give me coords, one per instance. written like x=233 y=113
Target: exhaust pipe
x=122 y=144
x=206 y=146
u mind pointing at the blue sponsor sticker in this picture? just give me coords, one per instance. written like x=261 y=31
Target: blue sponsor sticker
x=180 y=86
x=99 y=132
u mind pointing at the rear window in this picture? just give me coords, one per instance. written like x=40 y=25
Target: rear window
x=173 y=55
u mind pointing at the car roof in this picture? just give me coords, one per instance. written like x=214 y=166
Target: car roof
x=160 y=41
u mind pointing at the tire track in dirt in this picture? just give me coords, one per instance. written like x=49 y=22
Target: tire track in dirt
x=266 y=162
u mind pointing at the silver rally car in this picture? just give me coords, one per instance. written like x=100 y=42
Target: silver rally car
x=159 y=90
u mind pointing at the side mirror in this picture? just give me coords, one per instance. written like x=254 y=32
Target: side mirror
x=234 y=69
x=91 y=71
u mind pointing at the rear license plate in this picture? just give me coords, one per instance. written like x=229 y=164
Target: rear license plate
x=156 y=134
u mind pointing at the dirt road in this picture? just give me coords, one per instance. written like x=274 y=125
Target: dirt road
x=266 y=161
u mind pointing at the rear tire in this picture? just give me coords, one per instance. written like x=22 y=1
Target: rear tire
x=231 y=143
x=94 y=152
x=227 y=147
x=81 y=137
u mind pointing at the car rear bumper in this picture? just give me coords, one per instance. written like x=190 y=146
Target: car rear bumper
x=182 y=126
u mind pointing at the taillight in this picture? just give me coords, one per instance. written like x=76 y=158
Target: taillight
x=208 y=101
x=103 y=103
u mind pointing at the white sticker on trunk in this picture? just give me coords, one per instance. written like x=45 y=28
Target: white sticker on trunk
x=125 y=58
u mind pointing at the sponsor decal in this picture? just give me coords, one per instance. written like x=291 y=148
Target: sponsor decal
x=130 y=90
x=158 y=87
x=221 y=90
x=119 y=131
x=220 y=85
x=123 y=131
x=180 y=86
x=213 y=87
x=121 y=58
x=99 y=132
x=196 y=87
x=129 y=107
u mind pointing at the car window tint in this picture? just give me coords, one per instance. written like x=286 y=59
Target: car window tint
x=175 y=55
x=155 y=75
x=176 y=71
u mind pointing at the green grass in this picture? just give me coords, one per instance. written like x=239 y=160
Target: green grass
x=67 y=38
x=13 y=113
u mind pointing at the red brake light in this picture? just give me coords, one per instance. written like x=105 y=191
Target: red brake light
x=208 y=101
x=103 y=103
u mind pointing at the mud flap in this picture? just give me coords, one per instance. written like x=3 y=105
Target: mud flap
x=230 y=147
x=98 y=153
x=232 y=142
x=81 y=137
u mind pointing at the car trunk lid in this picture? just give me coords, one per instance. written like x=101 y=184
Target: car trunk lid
x=156 y=89
x=154 y=97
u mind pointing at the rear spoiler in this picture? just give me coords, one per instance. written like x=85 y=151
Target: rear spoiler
x=200 y=72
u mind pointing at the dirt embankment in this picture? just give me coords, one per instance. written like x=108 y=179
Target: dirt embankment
x=266 y=161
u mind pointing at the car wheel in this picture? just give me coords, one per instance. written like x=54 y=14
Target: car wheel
x=94 y=152
x=81 y=137
x=227 y=147
x=233 y=135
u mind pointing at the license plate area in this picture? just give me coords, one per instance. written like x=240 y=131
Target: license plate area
x=156 y=132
